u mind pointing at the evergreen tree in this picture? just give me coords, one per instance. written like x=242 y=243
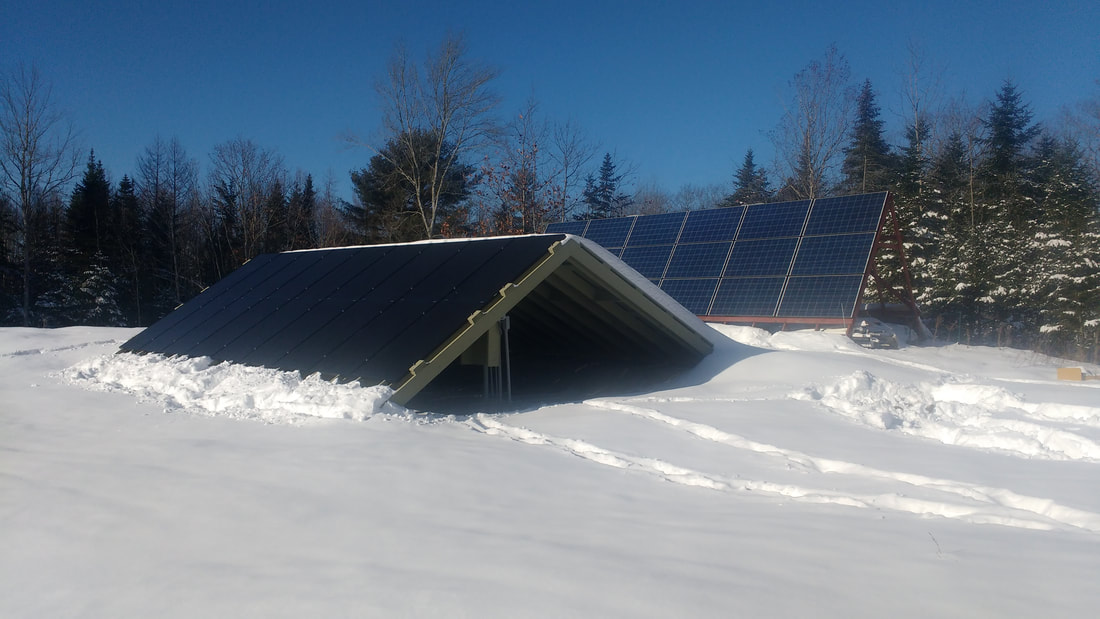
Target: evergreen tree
x=1004 y=218
x=276 y=232
x=750 y=184
x=10 y=277
x=953 y=280
x=867 y=162
x=1065 y=274
x=301 y=207
x=97 y=296
x=603 y=197
x=1010 y=132
x=922 y=217
x=129 y=234
x=389 y=208
x=88 y=221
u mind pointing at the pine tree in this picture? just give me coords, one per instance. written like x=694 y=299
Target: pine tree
x=750 y=184
x=603 y=197
x=867 y=163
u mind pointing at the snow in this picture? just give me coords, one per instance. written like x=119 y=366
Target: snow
x=647 y=287
x=793 y=474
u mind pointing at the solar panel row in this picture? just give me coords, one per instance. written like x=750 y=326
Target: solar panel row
x=791 y=259
x=354 y=312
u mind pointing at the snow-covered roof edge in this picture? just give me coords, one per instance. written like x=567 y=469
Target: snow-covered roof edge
x=467 y=239
x=648 y=288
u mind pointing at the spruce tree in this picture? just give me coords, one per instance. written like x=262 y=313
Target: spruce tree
x=388 y=207
x=954 y=282
x=922 y=219
x=88 y=220
x=1006 y=219
x=867 y=163
x=97 y=296
x=131 y=262
x=750 y=184
x=1010 y=133
x=1065 y=274
x=300 y=213
x=602 y=194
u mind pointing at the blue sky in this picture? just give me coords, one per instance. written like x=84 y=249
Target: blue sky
x=678 y=89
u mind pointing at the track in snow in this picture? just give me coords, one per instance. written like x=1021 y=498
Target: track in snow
x=966 y=501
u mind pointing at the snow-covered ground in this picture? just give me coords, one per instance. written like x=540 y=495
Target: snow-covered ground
x=788 y=475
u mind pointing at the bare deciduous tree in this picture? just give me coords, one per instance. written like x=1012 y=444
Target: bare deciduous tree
x=38 y=154
x=168 y=187
x=919 y=92
x=243 y=176
x=571 y=152
x=698 y=197
x=811 y=135
x=1083 y=123
x=449 y=99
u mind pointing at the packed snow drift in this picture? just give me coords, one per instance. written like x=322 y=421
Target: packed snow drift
x=790 y=474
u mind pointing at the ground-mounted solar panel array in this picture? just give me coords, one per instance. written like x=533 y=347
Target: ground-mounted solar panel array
x=784 y=261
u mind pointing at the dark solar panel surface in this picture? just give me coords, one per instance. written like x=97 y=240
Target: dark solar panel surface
x=836 y=254
x=789 y=259
x=766 y=221
x=649 y=260
x=761 y=257
x=698 y=260
x=609 y=232
x=747 y=296
x=568 y=227
x=718 y=224
x=660 y=229
x=846 y=214
x=832 y=296
x=693 y=294
x=362 y=312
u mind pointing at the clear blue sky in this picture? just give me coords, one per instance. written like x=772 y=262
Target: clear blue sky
x=679 y=89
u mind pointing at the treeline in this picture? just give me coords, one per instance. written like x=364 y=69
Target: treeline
x=999 y=213
x=127 y=252
x=1000 y=216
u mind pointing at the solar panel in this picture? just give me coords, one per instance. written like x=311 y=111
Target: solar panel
x=567 y=227
x=719 y=224
x=609 y=232
x=833 y=255
x=764 y=221
x=747 y=296
x=650 y=260
x=825 y=297
x=846 y=214
x=698 y=260
x=801 y=259
x=763 y=257
x=693 y=294
x=656 y=229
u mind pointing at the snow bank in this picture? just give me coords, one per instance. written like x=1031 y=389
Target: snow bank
x=971 y=415
x=199 y=386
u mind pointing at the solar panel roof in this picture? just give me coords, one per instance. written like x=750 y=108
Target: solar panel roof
x=403 y=314
x=800 y=259
x=343 y=311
